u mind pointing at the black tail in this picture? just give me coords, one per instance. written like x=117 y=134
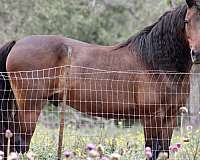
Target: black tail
x=7 y=100
x=4 y=51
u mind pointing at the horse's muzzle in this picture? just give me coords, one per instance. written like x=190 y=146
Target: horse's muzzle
x=195 y=56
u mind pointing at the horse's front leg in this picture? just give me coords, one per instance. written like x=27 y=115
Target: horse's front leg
x=165 y=135
x=152 y=126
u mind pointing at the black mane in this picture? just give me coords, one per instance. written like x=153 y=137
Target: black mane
x=163 y=45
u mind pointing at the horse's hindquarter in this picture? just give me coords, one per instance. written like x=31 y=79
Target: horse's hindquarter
x=28 y=65
x=37 y=53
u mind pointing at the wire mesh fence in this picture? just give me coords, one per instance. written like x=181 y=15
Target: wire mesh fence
x=116 y=111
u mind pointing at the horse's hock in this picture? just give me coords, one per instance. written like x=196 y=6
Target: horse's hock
x=108 y=109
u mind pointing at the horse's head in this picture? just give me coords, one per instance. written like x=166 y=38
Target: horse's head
x=192 y=21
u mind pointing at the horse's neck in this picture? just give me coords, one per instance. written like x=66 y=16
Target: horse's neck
x=168 y=51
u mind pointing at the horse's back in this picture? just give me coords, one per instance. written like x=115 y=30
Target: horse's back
x=35 y=52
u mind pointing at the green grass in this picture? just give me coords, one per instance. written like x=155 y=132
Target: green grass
x=126 y=141
x=129 y=142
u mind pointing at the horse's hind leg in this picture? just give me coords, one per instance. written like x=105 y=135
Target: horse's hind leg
x=30 y=98
x=29 y=112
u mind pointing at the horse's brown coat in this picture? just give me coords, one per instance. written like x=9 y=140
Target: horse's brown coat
x=114 y=92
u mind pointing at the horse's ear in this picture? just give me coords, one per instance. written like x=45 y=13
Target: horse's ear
x=190 y=3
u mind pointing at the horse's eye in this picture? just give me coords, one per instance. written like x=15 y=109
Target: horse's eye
x=186 y=21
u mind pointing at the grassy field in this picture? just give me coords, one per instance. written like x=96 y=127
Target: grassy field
x=128 y=142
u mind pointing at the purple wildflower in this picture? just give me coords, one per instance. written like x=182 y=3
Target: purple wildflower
x=178 y=145
x=90 y=147
x=173 y=149
x=8 y=134
x=189 y=128
x=68 y=154
x=93 y=154
x=147 y=149
x=104 y=158
x=148 y=152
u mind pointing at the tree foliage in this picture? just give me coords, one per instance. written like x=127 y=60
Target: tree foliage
x=95 y=21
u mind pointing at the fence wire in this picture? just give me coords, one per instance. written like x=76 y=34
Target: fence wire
x=117 y=110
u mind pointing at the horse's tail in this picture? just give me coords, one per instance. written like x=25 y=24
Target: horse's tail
x=7 y=100
x=4 y=51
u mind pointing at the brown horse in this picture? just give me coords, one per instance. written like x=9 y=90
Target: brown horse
x=192 y=21
x=107 y=81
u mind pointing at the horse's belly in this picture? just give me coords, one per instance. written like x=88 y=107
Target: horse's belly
x=112 y=105
x=103 y=103
x=112 y=98
x=106 y=110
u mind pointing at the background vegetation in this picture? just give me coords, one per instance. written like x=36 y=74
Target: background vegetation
x=96 y=21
